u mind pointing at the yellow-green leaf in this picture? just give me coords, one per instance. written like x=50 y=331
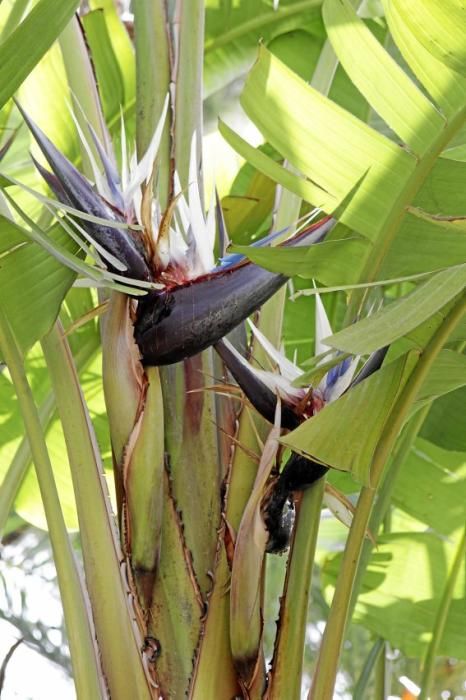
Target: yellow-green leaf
x=384 y=84
x=332 y=148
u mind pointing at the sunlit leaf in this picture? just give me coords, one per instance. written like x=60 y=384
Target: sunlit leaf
x=330 y=146
x=20 y=52
x=381 y=80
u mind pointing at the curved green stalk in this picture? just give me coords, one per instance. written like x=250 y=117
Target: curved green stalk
x=380 y=509
x=441 y=620
x=371 y=662
x=86 y=670
x=327 y=665
x=286 y=673
x=380 y=674
x=109 y=591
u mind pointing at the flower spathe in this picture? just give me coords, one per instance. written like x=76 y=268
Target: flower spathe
x=194 y=303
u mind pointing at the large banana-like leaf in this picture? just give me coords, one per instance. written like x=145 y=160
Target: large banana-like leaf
x=337 y=153
x=446 y=423
x=369 y=180
x=431 y=487
x=32 y=283
x=404 y=581
x=233 y=30
x=20 y=52
x=113 y=58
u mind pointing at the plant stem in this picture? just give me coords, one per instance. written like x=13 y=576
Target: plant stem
x=380 y=674
x=83 y=87
x=188 y=27
x=441 y=620
x=287 y=663
x=153 y=84
x=110 y=593
x=79 y=626
x=382 y=503
x=327 y=665
x=371 y=662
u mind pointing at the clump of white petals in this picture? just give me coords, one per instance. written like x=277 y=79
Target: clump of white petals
x=187 y=240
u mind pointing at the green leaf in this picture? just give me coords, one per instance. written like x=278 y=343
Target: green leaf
x=431 y=487
x=445 y=85
x=441 y=192
x=85 y=342
x=380 y=79
x=402 y=315
x=233 y=31
x=345 y=433
x=445 y=424
x=331 y=147
x=446 y=374
x=265 y=164
x=422 y=246
x=331 y=262
x=248 y=206
x=440 y=26
x=401 y=591
x=20 y=52
x=32 y=283
x=122 y=50
x=28 y=504
x=108 y=72
x=299 y=50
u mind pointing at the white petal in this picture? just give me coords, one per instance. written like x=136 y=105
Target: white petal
x=143 y=170
x=211 y=222
x=287 y=368
x=323 y=328
x=124 y=154
x=341 y=510
x=204 y=248
x=281 y=386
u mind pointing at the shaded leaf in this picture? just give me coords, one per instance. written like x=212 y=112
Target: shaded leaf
x=431 y=487
x=345 y=433
x=445 y=424
x=32 y=283
x=402 y=315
